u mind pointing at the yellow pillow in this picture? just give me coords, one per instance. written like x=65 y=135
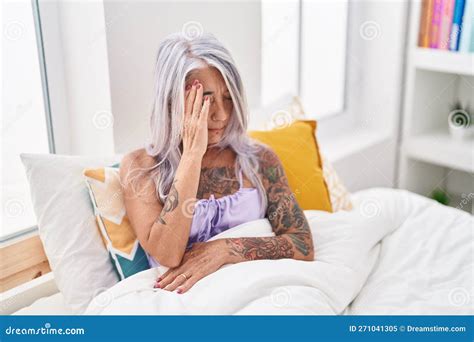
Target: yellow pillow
x=298 y=150
x=338 y=193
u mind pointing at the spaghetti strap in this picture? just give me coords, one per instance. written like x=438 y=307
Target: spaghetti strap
x=240 y=178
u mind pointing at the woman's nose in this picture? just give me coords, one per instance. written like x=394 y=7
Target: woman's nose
x=219 y=113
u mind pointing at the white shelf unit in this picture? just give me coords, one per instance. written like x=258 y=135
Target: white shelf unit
x=435 y=80
x=443 y=61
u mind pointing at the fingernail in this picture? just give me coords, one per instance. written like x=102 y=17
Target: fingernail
x=198 y=86
x=157 y=286
x=180 y=291
x=188 y=87
x=195 y=82
x=159 y=279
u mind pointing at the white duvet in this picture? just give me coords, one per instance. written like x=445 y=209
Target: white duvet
x=395 y=253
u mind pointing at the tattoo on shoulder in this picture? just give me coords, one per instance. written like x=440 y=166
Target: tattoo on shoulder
x=271 y=172
x=171 y=203
x=271 y=167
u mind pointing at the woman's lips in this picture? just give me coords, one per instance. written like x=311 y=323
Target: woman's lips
x=216 y=129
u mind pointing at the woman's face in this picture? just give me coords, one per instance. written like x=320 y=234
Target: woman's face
x=221 y=105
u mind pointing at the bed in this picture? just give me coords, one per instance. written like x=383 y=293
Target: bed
x=395 y=253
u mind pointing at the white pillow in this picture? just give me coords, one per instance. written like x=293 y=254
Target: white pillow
x=67 y=227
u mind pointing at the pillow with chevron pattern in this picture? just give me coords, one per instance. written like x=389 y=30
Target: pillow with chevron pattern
x=340 y=196
x=105 y=190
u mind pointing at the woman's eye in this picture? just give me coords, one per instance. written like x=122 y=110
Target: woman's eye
x=212 y=99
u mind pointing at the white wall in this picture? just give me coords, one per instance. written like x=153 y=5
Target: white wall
x=134 y=31
x=362 y=141
x=118 y=75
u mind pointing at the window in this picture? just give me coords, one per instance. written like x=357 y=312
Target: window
x=25 y=126
x=304 y=52
x=323 y=56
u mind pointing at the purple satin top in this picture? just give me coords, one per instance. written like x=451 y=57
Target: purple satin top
x=213 y=216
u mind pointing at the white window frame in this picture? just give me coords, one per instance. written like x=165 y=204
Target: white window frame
x=47 y=108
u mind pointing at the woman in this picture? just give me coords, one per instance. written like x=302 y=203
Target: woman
x=201 y=174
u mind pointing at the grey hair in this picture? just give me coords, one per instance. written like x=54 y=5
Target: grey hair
x=177 y=57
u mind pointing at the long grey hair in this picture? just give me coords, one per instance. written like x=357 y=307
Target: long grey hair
x=177 y=57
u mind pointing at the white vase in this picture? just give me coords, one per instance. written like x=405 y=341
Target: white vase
x=460 y=126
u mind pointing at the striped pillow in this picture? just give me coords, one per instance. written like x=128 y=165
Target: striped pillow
x=126 y=253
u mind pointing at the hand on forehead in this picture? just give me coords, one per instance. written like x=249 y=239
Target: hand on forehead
x=211 y=79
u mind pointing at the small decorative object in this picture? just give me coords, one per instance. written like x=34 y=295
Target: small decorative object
x=460 y=123
x=440 y=196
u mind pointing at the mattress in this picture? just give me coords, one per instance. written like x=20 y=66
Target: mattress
x=422 y=264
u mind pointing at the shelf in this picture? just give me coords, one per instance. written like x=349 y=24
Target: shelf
x=441 y=149
x=443 y=61
x=461 y=202
x=348 y=143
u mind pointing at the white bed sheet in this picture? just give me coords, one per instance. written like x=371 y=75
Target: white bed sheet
x=425 y=266
x=51 y=305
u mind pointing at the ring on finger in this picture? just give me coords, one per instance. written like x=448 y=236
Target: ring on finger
x=175 y=280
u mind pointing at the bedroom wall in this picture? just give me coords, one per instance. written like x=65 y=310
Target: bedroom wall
x=120 y=43
x=375 y=62
x=134 y=31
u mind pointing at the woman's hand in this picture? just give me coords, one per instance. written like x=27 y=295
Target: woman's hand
x=195 y=135
x=201 y=260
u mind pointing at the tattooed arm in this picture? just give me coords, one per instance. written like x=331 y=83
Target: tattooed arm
x=293 y=236
x=162 y=229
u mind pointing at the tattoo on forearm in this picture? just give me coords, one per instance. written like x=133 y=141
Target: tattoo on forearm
x=260 y=248
x=170 y=204
x=300 y=242
x=283 y=211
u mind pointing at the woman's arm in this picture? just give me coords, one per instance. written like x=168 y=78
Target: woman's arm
x=293 y=240
x=293 y=236
x=163 y=230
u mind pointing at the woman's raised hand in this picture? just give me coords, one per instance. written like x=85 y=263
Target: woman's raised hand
x=195 y=135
